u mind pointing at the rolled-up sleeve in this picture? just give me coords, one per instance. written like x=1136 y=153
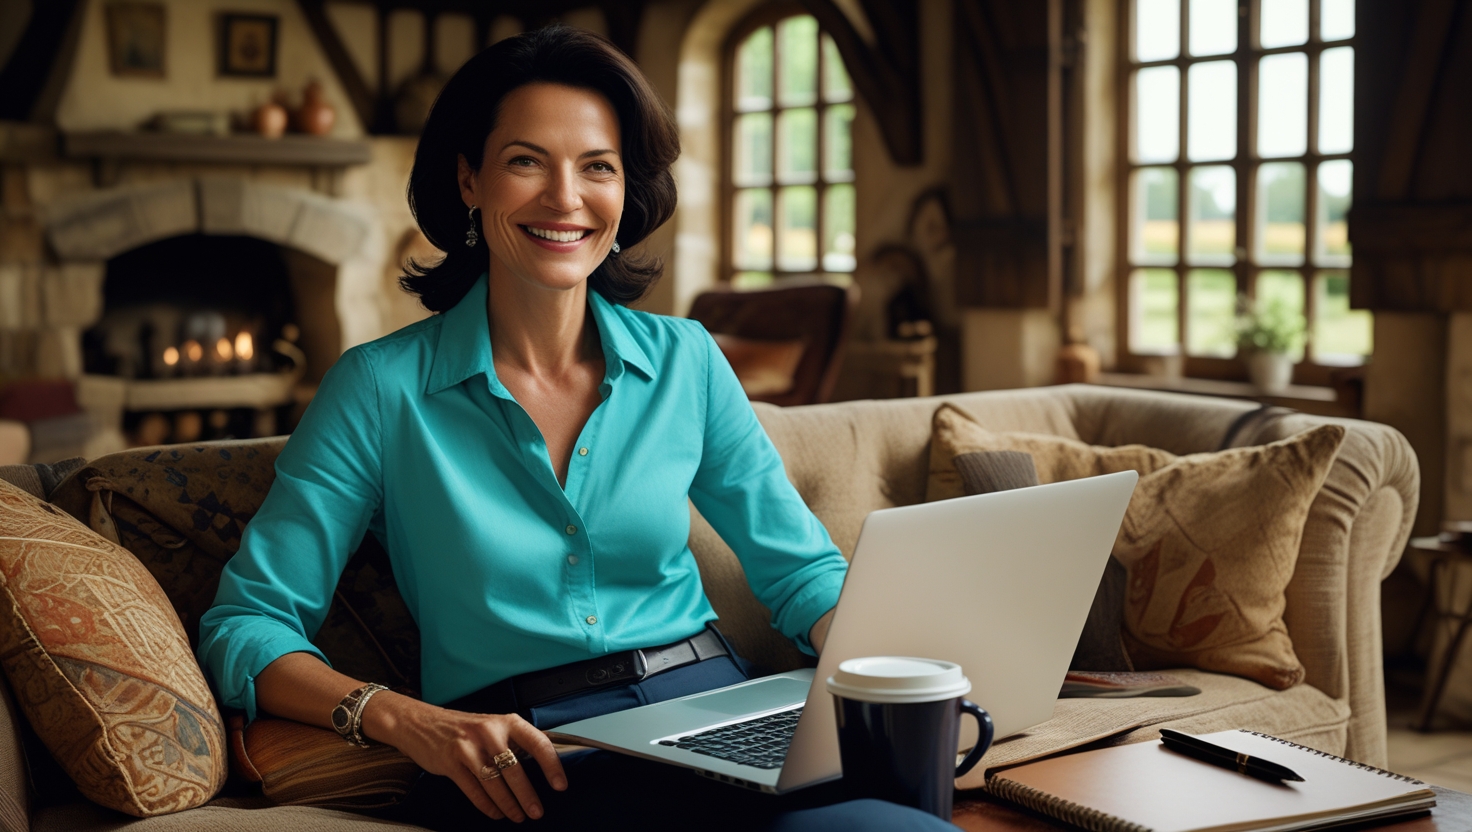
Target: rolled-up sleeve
x=275 y=592
x=742 y=489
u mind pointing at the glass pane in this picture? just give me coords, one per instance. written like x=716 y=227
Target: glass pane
x=754 y=71
x=752 y=237
x=838 y=228
x=1335 y=181
x=1284 y=23
x=1212 y=235
x=1342 y=336
x=797 y=145
x=838 y=156
x=797 y=229
x=752 y=161
x=1212 y=112
x=836 y=84
x=1336 y=100
x=1282 y=105
x=1154 y=299
x=1280 y=197
x=1213 y=27
x=797 y=60
x=1157 y=215
x=1157 y=29
x=752 y=280
x=1336 y=19
x=1280 y=298
x=1158 y=114
x=1211 y=304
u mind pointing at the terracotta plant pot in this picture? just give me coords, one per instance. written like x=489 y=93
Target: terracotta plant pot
x=1271 y=372
x=316 y=116
x=269 y=120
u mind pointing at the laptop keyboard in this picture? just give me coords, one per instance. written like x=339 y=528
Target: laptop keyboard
x=760 y=742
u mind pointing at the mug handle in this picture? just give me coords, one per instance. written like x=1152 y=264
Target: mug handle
x=983 y=742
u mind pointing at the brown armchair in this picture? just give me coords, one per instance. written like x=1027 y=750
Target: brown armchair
x=785 y=344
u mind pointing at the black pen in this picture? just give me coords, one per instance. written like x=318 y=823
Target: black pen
x=1200 y=749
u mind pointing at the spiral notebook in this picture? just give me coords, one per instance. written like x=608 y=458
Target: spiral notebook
x=1145 y=787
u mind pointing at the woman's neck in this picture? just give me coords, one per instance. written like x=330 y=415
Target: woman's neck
x=535 y=329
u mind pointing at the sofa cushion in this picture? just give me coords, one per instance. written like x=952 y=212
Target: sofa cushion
x=15 y=785
x=1056 y=458
x=218 y=816
x=1209 y=540
x=101 y=666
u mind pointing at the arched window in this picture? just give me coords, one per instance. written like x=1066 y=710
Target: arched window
x=789 y=169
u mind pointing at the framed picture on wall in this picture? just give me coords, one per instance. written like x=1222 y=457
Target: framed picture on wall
x=248 y=45
x=135 y=39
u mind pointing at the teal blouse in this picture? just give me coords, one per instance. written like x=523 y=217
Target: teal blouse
x=505 y=571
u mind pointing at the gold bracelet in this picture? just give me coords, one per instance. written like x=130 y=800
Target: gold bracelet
x=347 y=717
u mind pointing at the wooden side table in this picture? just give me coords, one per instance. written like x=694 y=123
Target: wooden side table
x=1446 y=559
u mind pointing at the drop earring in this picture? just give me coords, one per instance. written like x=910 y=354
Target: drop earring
x=472 y=236
x=616 y=249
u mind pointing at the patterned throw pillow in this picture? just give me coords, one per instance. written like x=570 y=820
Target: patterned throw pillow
x=1209 y=541
x=101 y=667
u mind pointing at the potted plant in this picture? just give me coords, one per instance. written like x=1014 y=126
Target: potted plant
x=1268 y=334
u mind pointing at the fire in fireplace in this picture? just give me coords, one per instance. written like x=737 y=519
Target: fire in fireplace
x=204 y=328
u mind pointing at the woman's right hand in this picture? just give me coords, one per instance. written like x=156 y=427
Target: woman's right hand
x=458 y=745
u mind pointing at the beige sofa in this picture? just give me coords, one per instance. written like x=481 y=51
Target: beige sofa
x=851 y=458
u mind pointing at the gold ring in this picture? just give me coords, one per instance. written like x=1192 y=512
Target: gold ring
x=489 y=773
x=506 y=759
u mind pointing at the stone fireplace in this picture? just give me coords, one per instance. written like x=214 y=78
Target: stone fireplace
x=129 y=263
x=180 y=388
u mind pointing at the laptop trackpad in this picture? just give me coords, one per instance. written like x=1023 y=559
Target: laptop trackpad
x=755 y=697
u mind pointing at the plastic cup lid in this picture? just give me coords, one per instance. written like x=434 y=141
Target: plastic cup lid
x=898 y=680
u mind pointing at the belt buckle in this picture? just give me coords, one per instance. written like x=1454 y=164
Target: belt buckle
x=618 y=671
x=641 y=665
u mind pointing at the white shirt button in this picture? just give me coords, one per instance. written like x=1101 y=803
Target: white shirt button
x=572 y=559
x=582 y=451
x=572 y=529
x=592 y=619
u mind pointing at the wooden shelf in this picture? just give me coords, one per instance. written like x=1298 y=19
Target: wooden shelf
x=245 y=149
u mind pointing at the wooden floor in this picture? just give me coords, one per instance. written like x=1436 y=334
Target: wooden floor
x=1441 y=758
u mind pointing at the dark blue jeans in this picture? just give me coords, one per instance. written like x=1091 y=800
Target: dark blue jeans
x=613 y=791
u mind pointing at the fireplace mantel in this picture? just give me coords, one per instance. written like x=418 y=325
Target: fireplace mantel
x=310 y=151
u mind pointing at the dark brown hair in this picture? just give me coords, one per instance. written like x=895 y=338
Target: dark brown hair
x=464 y=115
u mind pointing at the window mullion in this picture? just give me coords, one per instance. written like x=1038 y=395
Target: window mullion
x=819 y=159
x=1245 y=164
x=775 y=133
x=1311 y=185
x=1183 y=190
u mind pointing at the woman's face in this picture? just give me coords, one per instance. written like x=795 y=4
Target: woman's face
x=550 y=188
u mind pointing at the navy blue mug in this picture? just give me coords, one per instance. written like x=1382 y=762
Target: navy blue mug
x=899 y=721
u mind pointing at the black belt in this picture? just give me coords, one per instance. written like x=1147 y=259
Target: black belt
x=538 y=687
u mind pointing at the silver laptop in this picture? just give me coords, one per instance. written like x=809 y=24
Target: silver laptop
x=999 y=583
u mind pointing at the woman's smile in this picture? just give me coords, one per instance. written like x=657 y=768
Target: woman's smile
x=555 y=236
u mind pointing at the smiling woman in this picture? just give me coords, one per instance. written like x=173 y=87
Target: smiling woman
x=594 y=78
x=528 y=458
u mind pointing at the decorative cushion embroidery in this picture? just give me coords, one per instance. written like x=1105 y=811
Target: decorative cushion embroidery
x=101 y=666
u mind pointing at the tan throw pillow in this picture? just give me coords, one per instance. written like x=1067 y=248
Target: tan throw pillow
x=954 y=431
x=101 y=666
x=1210 y=540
